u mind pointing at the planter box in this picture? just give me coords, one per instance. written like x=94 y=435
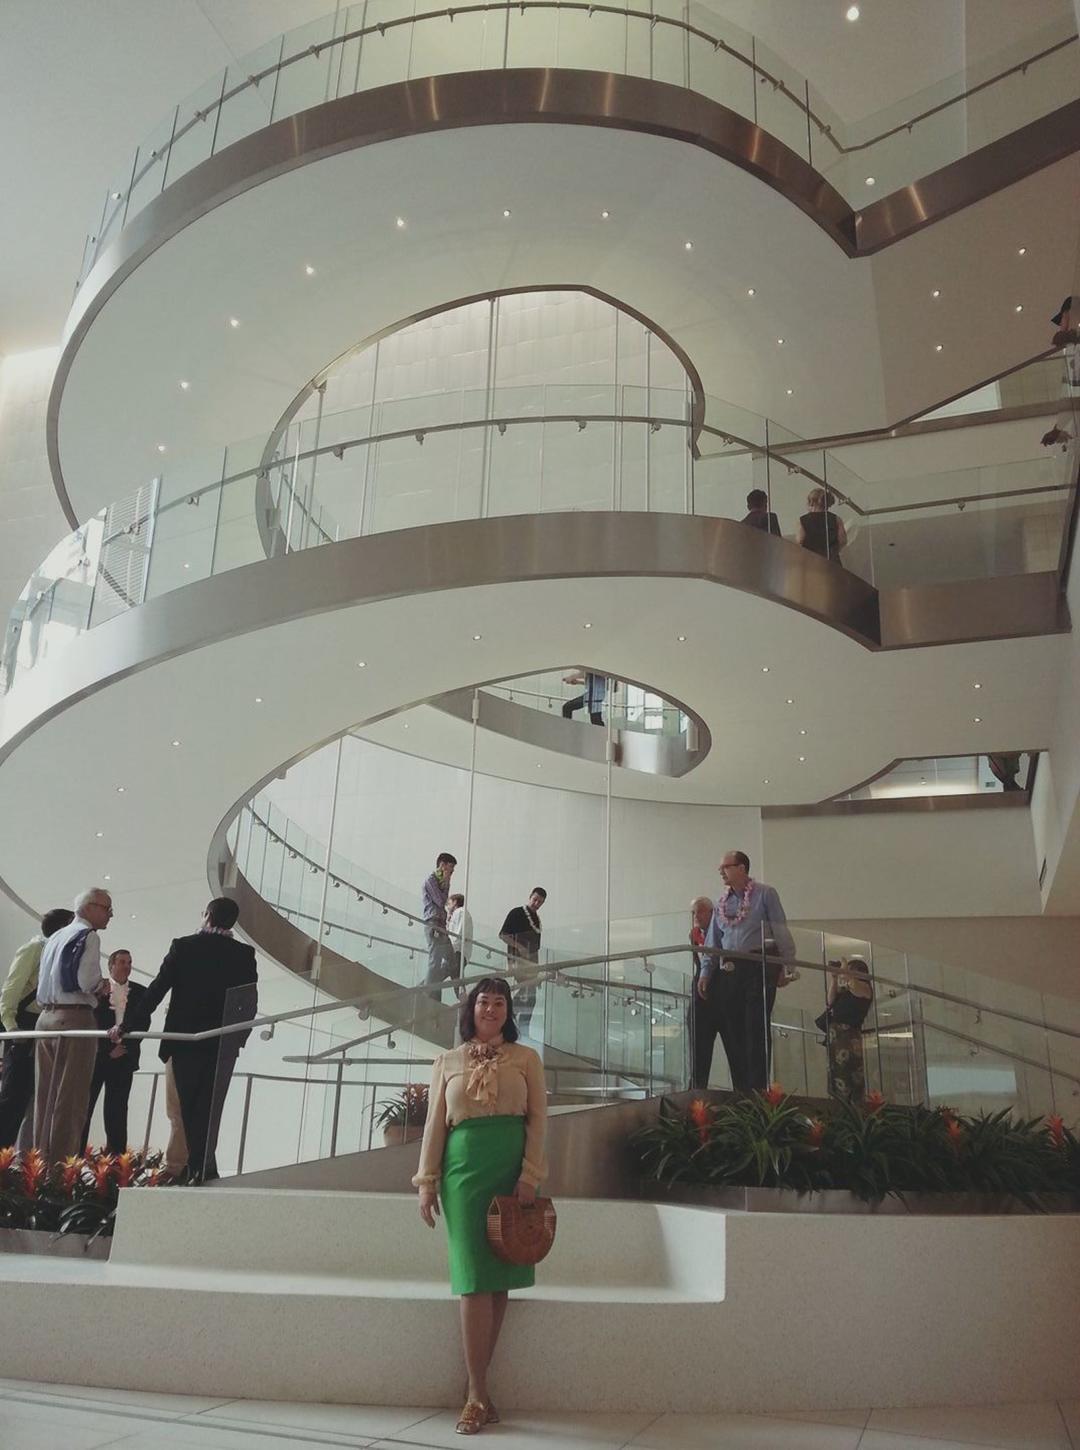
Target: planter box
x=45 y=1241
x=394 y=1134
x=838 y=1200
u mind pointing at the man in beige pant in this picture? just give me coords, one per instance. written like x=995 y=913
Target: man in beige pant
x=69 y=984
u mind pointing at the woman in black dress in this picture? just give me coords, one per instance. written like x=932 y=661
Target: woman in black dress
x=820 y=530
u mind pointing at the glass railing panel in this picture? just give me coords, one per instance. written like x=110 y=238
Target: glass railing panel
x=384 y=56
x=591 y=40
x=196 y=122
x=668 y=55
x=577 y=466
x=251 y=107
x=467 y=42
x=309 y=67
x=532 y=38
x=781 y=101
x=718 y=73
x=150 y=165
x=124 y=558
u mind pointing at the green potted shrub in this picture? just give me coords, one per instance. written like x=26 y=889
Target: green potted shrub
x=403 y=1116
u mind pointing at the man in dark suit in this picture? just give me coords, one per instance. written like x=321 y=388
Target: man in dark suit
x=212 y=981
x=117 y=1062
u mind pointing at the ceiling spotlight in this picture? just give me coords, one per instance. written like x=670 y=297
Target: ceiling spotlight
x=802 y=759
x=120 y=790
x=1019 y=307
x=764 y=669
x=779 y=342
x=99 y=834
x=187 y=566
x=791 y=702
x=604 y=215
x=477 y=638
x=977 y=686
x=1021 y=252
x=871 y=181
x=107 y=876
x=161 y=448
x=790 y=392
x=176 y=742
x=681 y=638
x=310 y=270
x=184 y=385
x=133 y=916
x=115 y=195
x=234 y=322
x=399 y=222
x=586 y=626
x=539 y=766
x=361 y=664
x=938 y=346
x=506 y=211
x=689 y=246
x=976 y=719
x=258 y=699
x=765 y=781
x=802 y=732
x=936 y=292
x=406 y=727
x=852 y=13
x=751 y=291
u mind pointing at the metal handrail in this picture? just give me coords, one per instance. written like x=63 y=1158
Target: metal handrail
x=760 y=73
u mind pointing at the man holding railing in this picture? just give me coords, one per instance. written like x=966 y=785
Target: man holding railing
x=738 y=996
x=434 y=896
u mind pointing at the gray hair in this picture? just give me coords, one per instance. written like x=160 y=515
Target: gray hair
x=85 y=898
x=701 y=901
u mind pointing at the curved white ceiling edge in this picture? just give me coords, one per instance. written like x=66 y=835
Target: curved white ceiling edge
x=169 y=319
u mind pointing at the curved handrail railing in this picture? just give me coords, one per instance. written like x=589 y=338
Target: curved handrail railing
x=773 y=95
x=130 y=551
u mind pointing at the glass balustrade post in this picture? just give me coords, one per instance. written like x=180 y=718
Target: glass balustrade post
x=127 y=194
x=307 y=522
x=217 y=516
x=168 y=149
x=277 y=79
x=217 y=111
x=605 y=1015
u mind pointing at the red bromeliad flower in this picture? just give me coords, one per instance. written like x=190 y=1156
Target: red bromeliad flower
x=1056 y=1123
x=816 y=1132
x=68 y=1174
x=124 y=1169
x=7 y=1158
x=153 y=1178
x=947 y=1115
x=700 y=1117
x=774 y=1095
x=874 y=1102
x=100 y=1170
x=955 y=1132
x=33 y=1169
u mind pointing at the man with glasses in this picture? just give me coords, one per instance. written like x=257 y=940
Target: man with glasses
x=69 y=985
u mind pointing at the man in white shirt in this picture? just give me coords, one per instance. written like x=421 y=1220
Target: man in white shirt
x=459 y=928
x=69 y=984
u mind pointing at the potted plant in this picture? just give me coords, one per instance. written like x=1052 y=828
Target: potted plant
x=403 y=1116
x=43 y=1209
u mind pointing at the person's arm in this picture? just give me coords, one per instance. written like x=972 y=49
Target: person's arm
x=781 y=934
x=428 y=1175
x=88 y=973
x=20 y=974
x=428 y=900
x=533 y=1162
x=137 y=1017
x=841 y=535
x=507 y=934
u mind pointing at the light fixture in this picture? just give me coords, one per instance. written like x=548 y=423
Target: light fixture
x=400 y=222
x=176 y=742
x=115 y=195
x=310 y=270
x=586 y=626
x=938 y=346
x=764 y=669
x=1019 y=307
x=681 y=638
x=852 y=13
x=802 y=759
x=133 y=916
x=184 y=385
x=751 y=291
x=506 y=211
x=688 y=246
x=120 y=790
x=234 y=322
x=1021 y=251
x=187 y=566
x=791 y=702
x=406 y=727
x=779 y=342
x=258 y=699
x=539 y=766
x=361 y=664
x=977 y=686
x=161 y=448
x=477 y=638
x=871 y=181
x=107 y=876
x=936 y=292
x=802 y=732
x=976 y=719
x=765 y=781
x=790 y=392
x=99 y=834
x=604 y=215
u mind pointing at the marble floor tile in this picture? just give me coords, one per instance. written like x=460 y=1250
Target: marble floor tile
x=528 y=1430
x=163 y=1404
x=745 y=1432
x=367 y=1422
x=1036 y=1426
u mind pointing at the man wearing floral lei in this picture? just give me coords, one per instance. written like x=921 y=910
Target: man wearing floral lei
x=735 y=998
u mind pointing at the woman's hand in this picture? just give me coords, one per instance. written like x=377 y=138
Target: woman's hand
x=525 y=1193
x=429 y=1206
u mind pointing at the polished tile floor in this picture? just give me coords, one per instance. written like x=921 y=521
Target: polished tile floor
x=66 y=1417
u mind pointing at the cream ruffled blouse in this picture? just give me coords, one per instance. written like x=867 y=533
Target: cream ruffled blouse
x=472 y=1081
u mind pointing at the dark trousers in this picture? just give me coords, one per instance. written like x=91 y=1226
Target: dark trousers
x=739 y=1010
x=578 y=703
x=16 y=1088
x=202 y=1073
x=440 y=959
x=115 y=1075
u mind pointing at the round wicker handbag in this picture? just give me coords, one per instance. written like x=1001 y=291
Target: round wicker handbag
x=520 y=1233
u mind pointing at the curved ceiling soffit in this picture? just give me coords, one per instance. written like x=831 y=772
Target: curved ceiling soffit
x=541 y=96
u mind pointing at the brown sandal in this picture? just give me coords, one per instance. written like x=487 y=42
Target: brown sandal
x=472 y=1418
x=492 y=1413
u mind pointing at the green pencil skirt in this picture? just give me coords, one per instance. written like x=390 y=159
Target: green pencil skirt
x=482 y=1158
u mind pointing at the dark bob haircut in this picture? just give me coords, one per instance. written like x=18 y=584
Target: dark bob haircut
x=467 y=1014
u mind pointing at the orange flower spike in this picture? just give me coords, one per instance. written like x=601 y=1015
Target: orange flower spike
x=68 y=1174
x=1056 y=1123
x=124 y=1169
x=874 y=1102
x=7 y=1158
x=955 y=1132
x=816 y=1133
x=34 y=1170
x=101 y=1170
x=947 y=1115
x=774 y=1095
x=700 y=1117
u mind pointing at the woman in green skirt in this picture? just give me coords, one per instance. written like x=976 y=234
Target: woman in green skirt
x=487 y=1116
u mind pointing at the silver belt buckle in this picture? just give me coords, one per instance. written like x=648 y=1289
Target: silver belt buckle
x=727 y=966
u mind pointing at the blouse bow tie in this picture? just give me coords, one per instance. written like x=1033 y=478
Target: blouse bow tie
x=482 y=1083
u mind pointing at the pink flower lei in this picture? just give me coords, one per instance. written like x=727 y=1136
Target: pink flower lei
x=744 y=906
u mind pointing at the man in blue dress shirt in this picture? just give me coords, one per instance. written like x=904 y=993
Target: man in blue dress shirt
x=735 y=998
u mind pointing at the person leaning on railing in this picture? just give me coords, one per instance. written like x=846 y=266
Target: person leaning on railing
x=484 y=1136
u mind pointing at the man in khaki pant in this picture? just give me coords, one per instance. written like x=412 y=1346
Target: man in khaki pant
x=69 y=984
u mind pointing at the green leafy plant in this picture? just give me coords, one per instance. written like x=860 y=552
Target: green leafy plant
x=407 y=1108
x=78 y=1195
x=873 y=1149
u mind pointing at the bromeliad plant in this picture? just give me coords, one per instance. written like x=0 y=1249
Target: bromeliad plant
x=406 y=1109
x=78 y=1195
x=872 y=1150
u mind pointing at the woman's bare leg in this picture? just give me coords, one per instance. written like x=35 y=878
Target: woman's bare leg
x=499 y=1302
x=477 y=1319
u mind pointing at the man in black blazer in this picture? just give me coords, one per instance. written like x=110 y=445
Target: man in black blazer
x=212 y=981
x=117 y=1062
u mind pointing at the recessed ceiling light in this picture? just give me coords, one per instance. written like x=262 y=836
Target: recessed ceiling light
x=976 y=719
x=977 y=686
x=310 y=270
x=1019 y=307
x=938 y=346
x=406 y=724
x=107 y=876
x=681 y=638
x=802 y=732
x=751 y=291
x=120 y=789
x=936 y=292
x=791 y=702
x=361 y=664
x=399 y=222
x=1022 y=252
x=234 y=322
x=802 y=759
x=176 y=742
x=871 y=181
x=605 y=215
x=586 y=626
x=791 y=392
x=539 y=766
x=764 y=669
x=133 y=916
x=99 y=834
x=852 y=13
x=779 y=342
x=161 y=448
x=115 y=195
x=506 y=211
x=689 y=246
x=184 y=385
x=478 y=637
x=765 y=781
x=258 y=699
